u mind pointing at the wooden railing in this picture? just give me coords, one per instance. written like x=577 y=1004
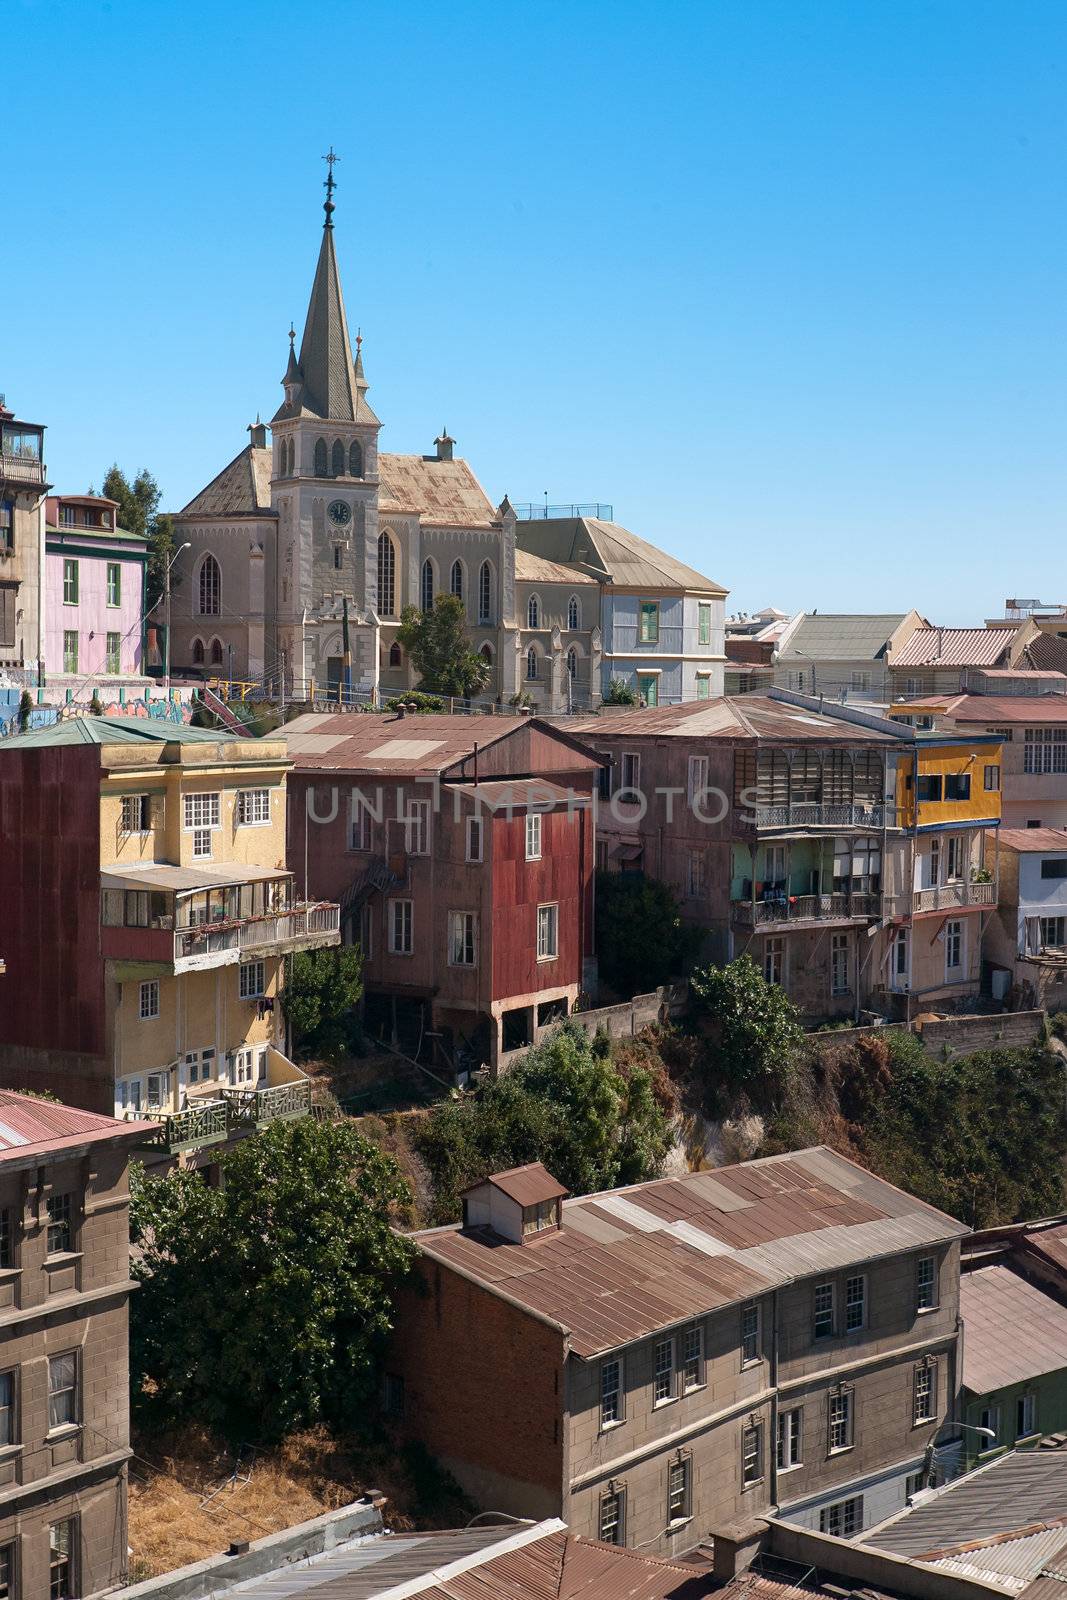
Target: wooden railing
x=260 y=1106
x=202 y=1124
x=301 y=922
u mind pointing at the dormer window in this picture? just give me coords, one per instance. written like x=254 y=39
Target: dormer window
x=540 y=1218
x=517 y=1205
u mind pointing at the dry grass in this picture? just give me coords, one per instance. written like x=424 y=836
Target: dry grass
x=311 y=1473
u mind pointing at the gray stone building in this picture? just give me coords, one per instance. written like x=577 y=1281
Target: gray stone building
x=22 y=500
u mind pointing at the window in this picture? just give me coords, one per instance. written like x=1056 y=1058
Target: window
x=649 y=628
x=989 y=1419
x=630 y=773
x=462 y=939
x=612 y=1530
x=396 y=657
x=216 y=653
x=678 y=1491
x=648 y=688
x=574 y=614
x=924 y=1393
x=540 y=1218
x=955 y=858
x=70 y=582
x=750 y=1339
x=533 y=836
x=914 y=1484
x=610 y=1393
x=62 y=1390
x=114 y=584
x=533 y=612
x=417 y=828
x=61 y=1576
x=253 y=806
x=773 y=960
x=696 y=879
x=321 y=458
x=338 y=556
x=860 y=682
x=547 y=933
x=992 y=777
x=198 y=652
x=210 y=587
x=485 y=592
x=7 y=1413
x=953 y=946
x=572 y=662
x=703 y=686
x=1054 y=867
x=113 y=653
x=8 y=608
x=839 y=1414
x=900 y=957
x=855 y=1303
x=703 y=623
x=149 y=1000
x=531 y=663
x=839 y=963
x=751 y=1453
x=843 y=1518
x=427 y=585
x=135 y=813
x=355 y=459
x=790 y=1438
x=1051 y=932
x=201 y=814
x=692 y=1359
x=7 y=1240
x=60 y=1224
x=456 y=579
x=393 y=1395
x=926 y=1283
x=928 y=786
x=337 y=459
x=401 y=920
x=252 y=985
x=1025 y=1416
x=474 y=838
x=823 y=1325
x=7 y=525
x=663 y=1372
x=70 y=651
x=697 y=779
x=386 y=576
x=1045 y=750
x=158 y=1090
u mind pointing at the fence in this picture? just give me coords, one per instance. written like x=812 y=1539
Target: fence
x=952 y=1036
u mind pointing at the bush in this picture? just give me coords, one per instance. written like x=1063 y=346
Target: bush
x=621 y=693
x=415 y=700
x=755 y=1031
x=641 y=938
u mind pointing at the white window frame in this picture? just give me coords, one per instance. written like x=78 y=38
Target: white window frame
x=679 y=1491
x=256 y=802
x=696 y=778
x=926 y=1284
x=790 y=1444
x=843 y=1518
x=693 y=1369
x=417 y=827
x=924 y=1394
x=824 y=1304
x=612 y=1526
x=955 y=943
x=252 y=980
x=475 y=839
x=774 y=959
x=612 y=1393
x=752 y=1458
x=751 y=1334
x=840 y=963
x=148 y=1000
x=840 y=1421
x=1026 y=1414
x=855 y=1302
x=663 y=1378
x=401 y=922
x=462 y=939
x=66 y=1393
x=548 y=932
x=989 y=1418
x=533 y=835
x=360 y=824
x=201 y=809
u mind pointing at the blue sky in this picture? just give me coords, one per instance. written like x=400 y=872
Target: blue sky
x=783 y=280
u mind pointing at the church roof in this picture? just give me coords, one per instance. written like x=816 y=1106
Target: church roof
x=626 y=561
x=530 y=568
x=446 y=494
x=241 y=490
x=330 y=385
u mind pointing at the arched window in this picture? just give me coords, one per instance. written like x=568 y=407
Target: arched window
x=533 y=612
x=531 y=663
x=457 y=579
x=486 y=653
x=572 y=662
x=292 y=457
x=320 y=458
x=386 y=576
x=337 y=462
x=485 y=592
x=355 y=459
x=427 y=585
x=574 y=614
x=210 y=593
x=216 y=652
x=198 y=652
x=396 y=659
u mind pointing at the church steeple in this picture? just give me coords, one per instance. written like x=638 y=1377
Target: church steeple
x=332 y=383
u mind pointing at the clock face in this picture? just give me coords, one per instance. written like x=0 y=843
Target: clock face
x=340 y=513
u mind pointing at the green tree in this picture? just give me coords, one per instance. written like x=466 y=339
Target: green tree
x=25 y=710
x=641 y=938
x=440 y=648
x=264 y=1304
x=621 y=693
x=755 y=1030
x=322 y=988
x=566 y=1104
x=139 y=513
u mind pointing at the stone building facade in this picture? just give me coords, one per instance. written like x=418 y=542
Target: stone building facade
x=22 y=504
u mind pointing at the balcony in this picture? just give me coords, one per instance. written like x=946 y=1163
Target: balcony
x=813 y=814
x=23 y=470
x=218 y=944
x=205 y=1123
x=257 y=1107
x=806 y=908
x=953 y=897
x=230 y=1112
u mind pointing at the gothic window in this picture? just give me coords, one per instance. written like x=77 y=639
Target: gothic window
x=531 y=663
x=427 y=585
x=396 y=659
x=198 y=652
x=485 y=592
x=216 y=652
x=210 y=587
x=572 y=662
x=386 y=577
x=533 y=613
x=320 y=458
x=486 y=652
x=292 y=457
x=355 y=459
x=574 y=614
x=457 y=579
x=337 y=464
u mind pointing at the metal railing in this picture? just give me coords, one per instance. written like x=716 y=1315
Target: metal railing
x=215 y=938
x=541 y=512
x=21 y=469
x=812 y=814
x=806 y=908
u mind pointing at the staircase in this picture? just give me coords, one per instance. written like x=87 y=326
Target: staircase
x=220 y=709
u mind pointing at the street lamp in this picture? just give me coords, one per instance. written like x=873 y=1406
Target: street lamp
x=166 y=607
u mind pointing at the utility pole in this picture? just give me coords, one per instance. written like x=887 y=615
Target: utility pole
x=166 y=612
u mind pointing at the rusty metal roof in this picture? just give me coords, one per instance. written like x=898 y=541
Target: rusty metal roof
x=31 y=1127
x=1050 y=1244
x=414 y=746
x=740 y=718
x=1031 y=840
x=521 y=794
x=527 y=1185
x=445 y=494
x=954 y=647
x=1030 y=710
x=1013 y=1331
x=629 y=1261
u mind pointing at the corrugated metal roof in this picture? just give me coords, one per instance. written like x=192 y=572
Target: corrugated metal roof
x=114 y=730
x=1010 y=1563
x=955 y=647
x=1013 y=1331
x=1050 y=1244
x=443 y=493
x=162 y=875
x=530 y=568
x=29 y=1126
x=989 y=710
x=624 y=559
x=357 y=742
x=527 y=1185
x=629 y=1261
x=1030 y=840
x=842 y=636
x=1025 y=1490
x=741 y=717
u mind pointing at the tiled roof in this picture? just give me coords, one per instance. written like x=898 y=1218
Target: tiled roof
x=954 y=647
x=1032 y=841
x=1047 y=653
x=31 y=1126
x=1012 y=1330
x=629 y=1261
x=748 y=716
x=629 y=562
x=445 y=494
x=241 y=489
x=842 y=636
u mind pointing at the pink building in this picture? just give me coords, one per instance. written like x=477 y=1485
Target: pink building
x=94 y=591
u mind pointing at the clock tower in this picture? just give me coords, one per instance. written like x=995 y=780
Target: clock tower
x=324 y=488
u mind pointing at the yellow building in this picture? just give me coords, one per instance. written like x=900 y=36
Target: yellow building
x=194 y=912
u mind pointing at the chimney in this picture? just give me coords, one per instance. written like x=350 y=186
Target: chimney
x=444 y=443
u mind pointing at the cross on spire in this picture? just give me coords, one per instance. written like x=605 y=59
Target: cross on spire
x=330 y=185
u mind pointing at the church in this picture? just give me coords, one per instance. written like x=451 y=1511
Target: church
x=314 y=528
